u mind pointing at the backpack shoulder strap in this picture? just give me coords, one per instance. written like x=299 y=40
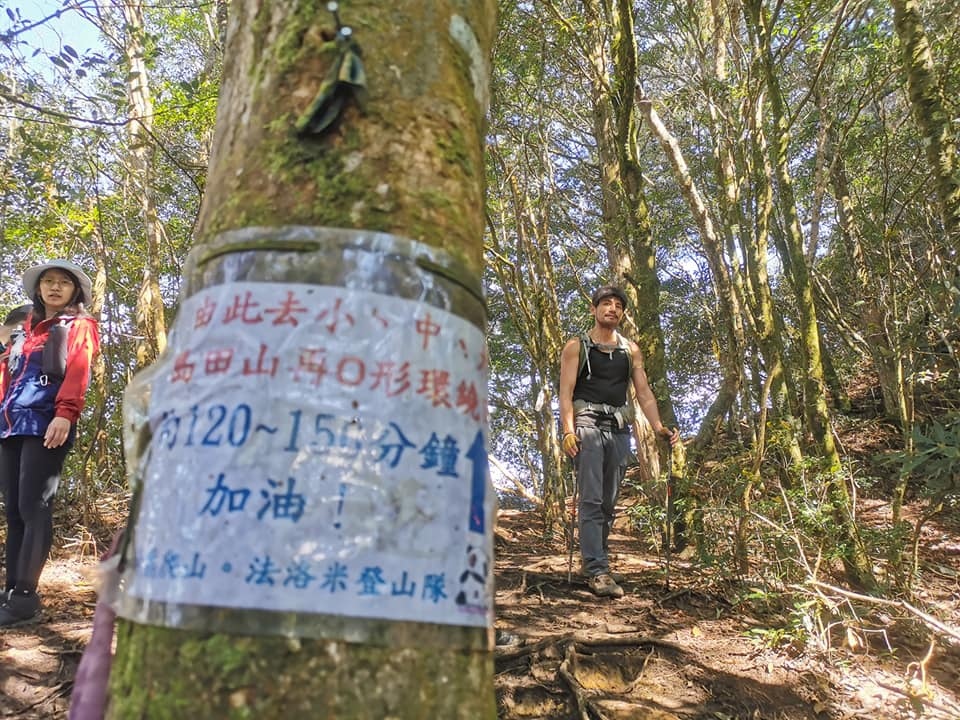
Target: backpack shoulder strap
x=54 y=358
x=585 y=344
x=624 y=345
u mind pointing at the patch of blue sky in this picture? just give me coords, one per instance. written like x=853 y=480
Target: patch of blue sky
x=51 y=37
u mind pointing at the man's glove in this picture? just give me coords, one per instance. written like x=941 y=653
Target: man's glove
x=571 y=444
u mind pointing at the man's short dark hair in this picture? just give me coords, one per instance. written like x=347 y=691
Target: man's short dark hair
x=608 y=291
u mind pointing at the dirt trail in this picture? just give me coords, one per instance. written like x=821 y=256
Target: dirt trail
x=680 y=652
x=655 y=654
x=38 y=661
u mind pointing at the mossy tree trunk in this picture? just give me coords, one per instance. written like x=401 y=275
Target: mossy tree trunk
x=731 y=358
x=611 y=48
x=932 y=116
x=791 y=247
x=745 y=225
x=412 y=165
x=768 y=323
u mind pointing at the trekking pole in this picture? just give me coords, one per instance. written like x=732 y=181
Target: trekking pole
x=668 y=535
x=573 y=517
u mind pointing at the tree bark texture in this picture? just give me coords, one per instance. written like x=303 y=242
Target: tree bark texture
x=410 y=163
x=931 y=113
x=815 y=412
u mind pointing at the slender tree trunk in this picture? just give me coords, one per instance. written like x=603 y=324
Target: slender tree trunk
x=874 y=310
x=750 y=235
x=94 y=444
x=384 y=209
x=815 y=403
x=768 y=322
x=151 y=323
x=643 y=280
x=732 y=356
x=529 y=281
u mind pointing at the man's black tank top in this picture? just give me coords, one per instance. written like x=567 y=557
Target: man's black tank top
x=609 y=377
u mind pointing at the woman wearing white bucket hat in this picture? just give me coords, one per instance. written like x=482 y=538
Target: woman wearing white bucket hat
x=43 y=381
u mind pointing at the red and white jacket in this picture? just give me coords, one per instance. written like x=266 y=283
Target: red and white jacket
x=30 y=395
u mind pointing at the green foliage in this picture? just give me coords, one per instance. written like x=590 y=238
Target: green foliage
x=798 y=627
x=647 y=516
x=67 y=192
x=935 y=459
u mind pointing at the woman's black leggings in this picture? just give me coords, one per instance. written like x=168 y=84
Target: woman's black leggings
x=29 y=476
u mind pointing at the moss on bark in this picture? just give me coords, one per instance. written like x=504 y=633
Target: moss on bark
x=407 y=163
x=162 y=673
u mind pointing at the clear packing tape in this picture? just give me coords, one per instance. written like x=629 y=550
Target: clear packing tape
x=308 y=456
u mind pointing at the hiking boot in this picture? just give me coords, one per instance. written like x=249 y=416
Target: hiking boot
x=603 y=585
x=19 y=608
x=617 y=577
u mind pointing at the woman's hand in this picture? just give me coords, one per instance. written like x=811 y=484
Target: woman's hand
x=57 y=432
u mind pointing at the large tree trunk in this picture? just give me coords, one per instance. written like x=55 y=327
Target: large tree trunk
x=404 y=183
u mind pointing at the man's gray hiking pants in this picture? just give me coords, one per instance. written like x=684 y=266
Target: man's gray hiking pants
x=601 y=464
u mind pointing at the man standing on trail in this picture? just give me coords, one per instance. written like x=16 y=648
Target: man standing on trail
x=596 y=416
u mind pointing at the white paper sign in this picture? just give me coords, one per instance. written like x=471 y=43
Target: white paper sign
x=319 y=449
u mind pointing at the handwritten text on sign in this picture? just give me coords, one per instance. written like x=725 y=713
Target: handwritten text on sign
x=319 y=449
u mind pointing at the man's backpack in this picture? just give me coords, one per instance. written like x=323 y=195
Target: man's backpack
x=586 y=343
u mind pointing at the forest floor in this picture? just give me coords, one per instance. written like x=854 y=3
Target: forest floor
x=691 y=645
x=685 y=645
